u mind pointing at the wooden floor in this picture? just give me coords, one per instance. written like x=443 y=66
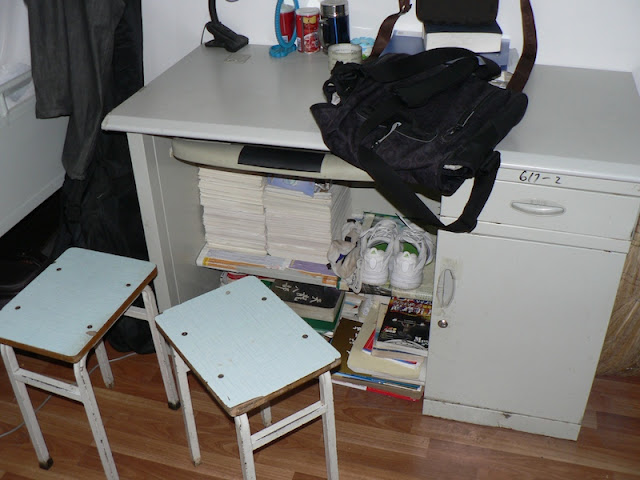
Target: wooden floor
x=378 y=437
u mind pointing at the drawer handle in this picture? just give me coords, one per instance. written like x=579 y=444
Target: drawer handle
x=537 y=208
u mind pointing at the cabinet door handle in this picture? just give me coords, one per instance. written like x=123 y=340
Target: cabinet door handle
x=537 y=208
x=446 y=287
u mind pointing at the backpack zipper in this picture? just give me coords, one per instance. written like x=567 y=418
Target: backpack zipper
x=464 y=119
x=383 y=138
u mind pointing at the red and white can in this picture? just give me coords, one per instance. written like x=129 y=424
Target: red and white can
x=307 y=29
x=287 y=21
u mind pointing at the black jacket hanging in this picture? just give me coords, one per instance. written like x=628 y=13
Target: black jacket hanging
x=86 y=59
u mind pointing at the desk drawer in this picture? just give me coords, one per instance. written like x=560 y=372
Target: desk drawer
x=556 y=209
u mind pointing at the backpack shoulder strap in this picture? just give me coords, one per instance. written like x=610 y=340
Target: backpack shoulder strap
x=529 y=49
x=389 y=183
x=417 y=93
x=386 y=29
x=394 y=67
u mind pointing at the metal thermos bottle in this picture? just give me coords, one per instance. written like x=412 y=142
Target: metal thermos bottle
x=334 y=22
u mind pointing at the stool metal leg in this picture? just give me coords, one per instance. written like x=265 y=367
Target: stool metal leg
x=26 y=408
x=329 y=426
x=245 y=446
x=88 y=399
x=162 y=349
x=187 y=408
x=105 y=367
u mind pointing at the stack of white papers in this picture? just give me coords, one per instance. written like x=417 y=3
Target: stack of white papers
x=301 y=226
x=233 y=211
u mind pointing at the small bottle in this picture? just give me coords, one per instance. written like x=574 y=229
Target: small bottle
x=334 y=23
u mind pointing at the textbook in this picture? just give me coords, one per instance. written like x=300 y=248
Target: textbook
x=316 y=302
x=404 y=326
x=477 y=38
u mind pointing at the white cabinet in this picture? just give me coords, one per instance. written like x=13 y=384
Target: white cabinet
x=522 y=304
x=524 y=329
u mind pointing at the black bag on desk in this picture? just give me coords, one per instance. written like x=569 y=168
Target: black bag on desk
x=430 y=119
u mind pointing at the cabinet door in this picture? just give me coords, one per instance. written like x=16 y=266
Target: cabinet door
x=525 y=323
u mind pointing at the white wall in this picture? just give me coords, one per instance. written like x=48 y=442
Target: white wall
x=14 y=33
x=580 y=33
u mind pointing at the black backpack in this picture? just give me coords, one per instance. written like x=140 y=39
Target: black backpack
x=430 y=119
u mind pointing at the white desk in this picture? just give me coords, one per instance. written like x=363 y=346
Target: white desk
x=581 y=125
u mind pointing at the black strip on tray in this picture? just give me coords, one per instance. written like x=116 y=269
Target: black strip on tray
x=280 y=158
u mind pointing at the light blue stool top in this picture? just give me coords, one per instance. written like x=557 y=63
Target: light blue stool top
x=69 y=307
x=245 y=344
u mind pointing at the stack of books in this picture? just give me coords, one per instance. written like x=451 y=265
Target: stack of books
x=233 y=210
x=360 y=369
x=302 y=220
x=484 y=38
x=254 y=220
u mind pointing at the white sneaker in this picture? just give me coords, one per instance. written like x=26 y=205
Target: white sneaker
x=414 y=249
x=378 y=246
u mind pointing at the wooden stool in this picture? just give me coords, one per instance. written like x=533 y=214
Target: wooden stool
x=64 y=313
x=248 y=347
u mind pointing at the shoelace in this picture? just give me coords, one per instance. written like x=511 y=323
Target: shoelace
x=428 y=243
x=421 y=240
x=383 y=229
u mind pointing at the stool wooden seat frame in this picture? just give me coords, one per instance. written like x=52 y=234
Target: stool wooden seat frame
x=90 y=333
x=183 y=327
